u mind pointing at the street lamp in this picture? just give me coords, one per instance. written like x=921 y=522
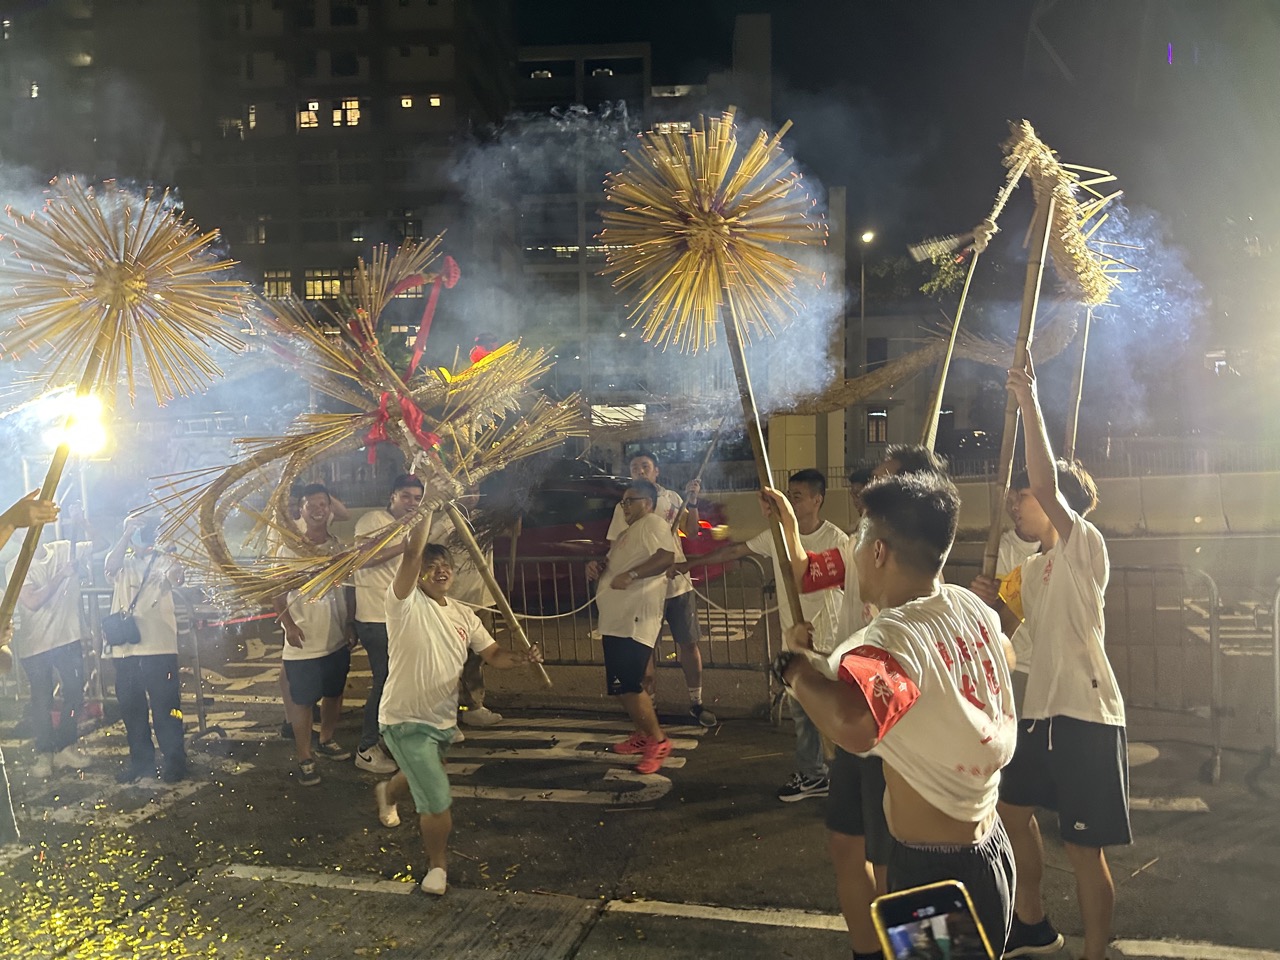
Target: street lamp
x=867 y=237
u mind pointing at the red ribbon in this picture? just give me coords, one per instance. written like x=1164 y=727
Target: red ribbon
x=410 y=414
x=448 y=276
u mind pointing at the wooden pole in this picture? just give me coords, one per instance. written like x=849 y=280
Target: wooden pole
x=706 y=458
x=481 y=562
x=1037 y=252
x=1077 y=388
x=751 y=417
x=929 y=435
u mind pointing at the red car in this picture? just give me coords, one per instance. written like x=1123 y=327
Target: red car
x=563 y=525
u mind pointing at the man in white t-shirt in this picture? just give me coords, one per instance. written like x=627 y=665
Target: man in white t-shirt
x=470 y=588
x=630 y=599
x=680 y=610
x=1072 y=752
x=318 y=636
x=806 y=492
x=49 y=644
x=429 y=637
x=371 y=582
x=926 y=688
x=147 y=671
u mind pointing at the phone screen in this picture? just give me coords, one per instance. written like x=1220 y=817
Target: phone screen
x=930 y=923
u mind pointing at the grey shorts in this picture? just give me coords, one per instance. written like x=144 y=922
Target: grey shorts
x=855 y=802
x=681 y=614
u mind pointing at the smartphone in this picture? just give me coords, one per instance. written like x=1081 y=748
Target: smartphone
x=934 y=922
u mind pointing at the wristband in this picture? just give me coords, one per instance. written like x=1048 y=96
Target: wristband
x=779 y=666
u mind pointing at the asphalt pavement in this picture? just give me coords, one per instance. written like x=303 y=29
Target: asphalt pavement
x=560 y=850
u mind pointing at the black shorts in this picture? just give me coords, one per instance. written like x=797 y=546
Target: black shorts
x=625 y=662
x=1078 y=768
x=855 y=802
x=311 y=680
x=985 y=868
x=681 y=614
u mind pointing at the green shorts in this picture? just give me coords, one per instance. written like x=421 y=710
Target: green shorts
x=419 y=749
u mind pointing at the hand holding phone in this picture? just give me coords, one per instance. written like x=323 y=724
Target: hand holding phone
x=934 y=922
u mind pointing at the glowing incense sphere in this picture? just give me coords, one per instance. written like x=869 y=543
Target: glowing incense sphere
x=693 y=232
x=103 y=281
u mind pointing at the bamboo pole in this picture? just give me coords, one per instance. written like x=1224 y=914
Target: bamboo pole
x=751 y=416
x=1030 y=300
x=706 y=458
x=1077 y=388
x=468 y=539
x=929 y=435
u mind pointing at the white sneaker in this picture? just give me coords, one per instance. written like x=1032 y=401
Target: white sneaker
x=42 y=768
x=458 y=736
x=72 y=756
x=480 y=717
x=388 y=815
x=375 y=760
x=435 y=882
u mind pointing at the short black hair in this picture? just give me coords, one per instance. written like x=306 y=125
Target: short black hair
x=1074 y=483
x=645 y=453
x=436 y=551
x=915 y=458
x=645 y=489
x=815 y=479
x=917 y=514
x=407 y=480
x=860 y=476
x=311 y=489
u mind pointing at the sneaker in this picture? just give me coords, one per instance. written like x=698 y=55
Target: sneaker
x=307 y=775
x=702 y=715
x=286 y=731
x=72 y=756
x=174 y=770
x=388 y=815
x=42 y=767
x=435 y=882
x=458 y=736
x=655 y=751
x=332 y=750
x=375 y=760
x=480 y=717
x=1030 y=939
x=633 y=744
x=802 y=788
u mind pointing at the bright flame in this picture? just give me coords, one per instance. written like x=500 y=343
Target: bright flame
x=81 y=427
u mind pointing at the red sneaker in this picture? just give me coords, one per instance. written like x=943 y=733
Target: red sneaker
x=655 y=751
x=633 y=744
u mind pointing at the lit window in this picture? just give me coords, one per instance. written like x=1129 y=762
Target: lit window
x=435 y=101
x=35 y=89
x=540 y=75
x=602 y=72
x=309 y=116
x=878 y=426
x=6 y=29
x=277 y=284
x=347 y=113
x=406 y=102
x=253 y=116
x=683 y=126
x=323 y=284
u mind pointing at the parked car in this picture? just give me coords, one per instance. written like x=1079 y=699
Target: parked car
x=563 y=519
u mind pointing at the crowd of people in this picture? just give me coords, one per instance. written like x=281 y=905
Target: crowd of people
x=902 y=687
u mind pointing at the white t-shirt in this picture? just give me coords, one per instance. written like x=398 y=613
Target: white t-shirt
x=1014 y=551
x=635 y=612
x=933 y=672
x=468 y=585
x=427 y=646
x=668 y=508
x=1063 y=592
x=154 y=614
x=321 y=621
x=56 y=622
x=822 y=608
x=372 y=581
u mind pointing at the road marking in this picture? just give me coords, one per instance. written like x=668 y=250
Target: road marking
x=1169 y=804
x=1189 y=950
x=767 y=917
x=652 y=787
x=313 y=878
x=557 y=752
